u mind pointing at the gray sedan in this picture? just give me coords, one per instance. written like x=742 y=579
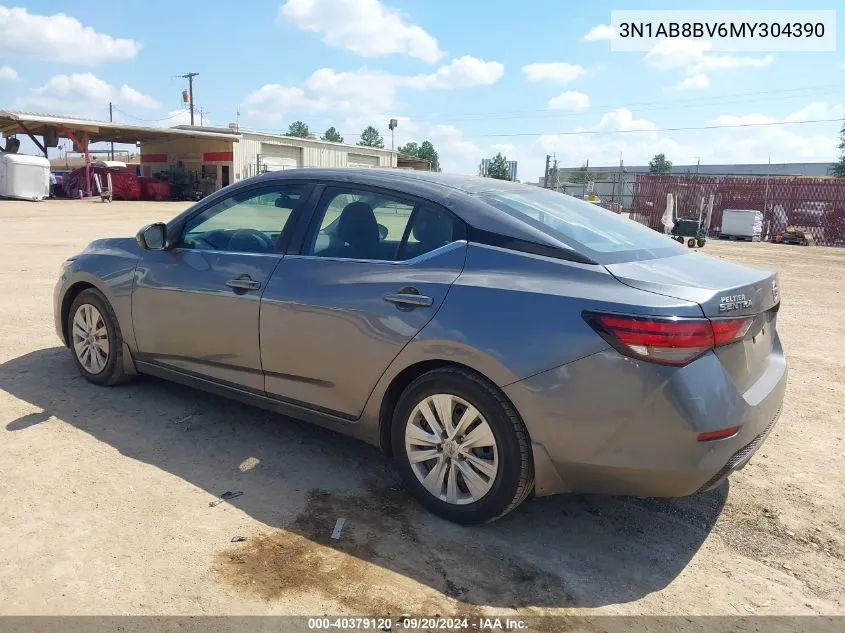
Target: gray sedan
x=496 y=340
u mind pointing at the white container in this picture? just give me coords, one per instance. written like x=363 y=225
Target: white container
x=742 y=223
x=24 y=177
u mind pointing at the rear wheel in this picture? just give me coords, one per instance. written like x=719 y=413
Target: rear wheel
x=691 y=242
x=701 y=241
x=95 y=339
x=461 y=447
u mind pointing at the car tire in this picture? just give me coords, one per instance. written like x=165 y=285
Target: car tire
x=98 y=358
x=504 y=471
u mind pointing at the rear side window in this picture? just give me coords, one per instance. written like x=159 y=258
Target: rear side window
x=362 y=225
x=598 y=233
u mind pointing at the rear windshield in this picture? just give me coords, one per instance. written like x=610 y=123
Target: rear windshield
x=602 y=235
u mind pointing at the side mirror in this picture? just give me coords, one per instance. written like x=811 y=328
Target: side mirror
x=152 y=237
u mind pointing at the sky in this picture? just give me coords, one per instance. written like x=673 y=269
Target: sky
x=526 y=78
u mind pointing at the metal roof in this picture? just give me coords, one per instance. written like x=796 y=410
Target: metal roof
x=13 y=122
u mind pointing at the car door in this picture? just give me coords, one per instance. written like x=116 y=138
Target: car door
x=370 y=273
x=195 y=305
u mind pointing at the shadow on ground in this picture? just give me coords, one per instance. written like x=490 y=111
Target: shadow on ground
x=566 y=551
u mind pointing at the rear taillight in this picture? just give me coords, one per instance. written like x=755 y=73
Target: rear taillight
x=669 y=341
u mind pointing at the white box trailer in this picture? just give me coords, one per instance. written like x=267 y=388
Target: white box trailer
x=745 y=223
x=24 y=177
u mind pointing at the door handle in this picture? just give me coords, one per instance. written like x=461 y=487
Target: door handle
x=407 y=299
x=244 y=282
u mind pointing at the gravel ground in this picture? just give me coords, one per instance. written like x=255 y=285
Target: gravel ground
x=106 y=491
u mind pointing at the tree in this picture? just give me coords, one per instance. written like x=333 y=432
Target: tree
x=839 y=169
x=410 y=149
x=499 y=168
x=370 y=137
x=580 y=176
x=659 y=164
x=332 y=135
x=298 y=128
x=427 y=152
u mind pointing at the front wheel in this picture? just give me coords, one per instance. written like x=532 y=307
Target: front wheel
x=701 y=242
x=95 y=338
x=461 y=447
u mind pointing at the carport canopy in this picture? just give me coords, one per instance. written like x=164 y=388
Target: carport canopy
x=82 y=131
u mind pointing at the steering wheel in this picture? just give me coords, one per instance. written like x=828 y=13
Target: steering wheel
x=265 y=243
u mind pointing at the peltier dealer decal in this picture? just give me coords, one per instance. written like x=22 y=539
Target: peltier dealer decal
x=735 y=302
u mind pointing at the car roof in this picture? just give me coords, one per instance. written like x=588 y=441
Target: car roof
x=398 y=178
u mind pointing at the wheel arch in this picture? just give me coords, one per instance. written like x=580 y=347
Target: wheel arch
x=67 y=300
x=404 y=378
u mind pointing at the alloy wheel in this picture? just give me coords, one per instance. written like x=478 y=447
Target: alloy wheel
x=90 y=338
x=451 y=449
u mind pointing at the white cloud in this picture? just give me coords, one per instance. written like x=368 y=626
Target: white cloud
x=364 y=91
x=599 y=32
x=60 y=38
x=696 y=82
x=460 y=73
x=694 y=57
x=573 y=101
x=7 y=73
x=622 y=119
x=272 y=102
x=729 y=62
x=558 y=72
x=129 y=96
x=365 y=27
x=818 y=110
x=676 y=53
x=84 y=94
x=781 y=143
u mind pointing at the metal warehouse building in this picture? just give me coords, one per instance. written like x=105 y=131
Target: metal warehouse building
x=249 y=153
x=214 y=156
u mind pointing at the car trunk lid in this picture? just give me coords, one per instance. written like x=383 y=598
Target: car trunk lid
x=723 y=290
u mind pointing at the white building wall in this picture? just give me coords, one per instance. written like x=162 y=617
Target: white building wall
x=314 y=153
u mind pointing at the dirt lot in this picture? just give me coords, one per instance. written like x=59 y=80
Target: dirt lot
x=106 y=492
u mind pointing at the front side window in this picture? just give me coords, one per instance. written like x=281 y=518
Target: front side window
x=598 y=233
x=247 y=222
x=362 y=225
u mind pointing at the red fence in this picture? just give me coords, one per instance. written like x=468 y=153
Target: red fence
x=815 y=205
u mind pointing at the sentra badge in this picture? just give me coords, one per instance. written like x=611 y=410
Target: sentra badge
x=734 y=302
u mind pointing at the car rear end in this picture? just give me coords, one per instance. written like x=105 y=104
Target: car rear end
x=735 y=360
x=674 y=403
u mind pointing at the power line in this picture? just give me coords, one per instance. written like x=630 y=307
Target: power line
x=657 y=106
x=664 y=129
x=714 y=100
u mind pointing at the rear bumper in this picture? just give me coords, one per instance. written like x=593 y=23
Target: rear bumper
x=613 y=425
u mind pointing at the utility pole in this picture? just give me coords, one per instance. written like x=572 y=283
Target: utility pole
x=546 y=177
x=557 y=175
x=697 y=165
x=190 y=78
x=203 y=113
x=111 y=120
x=621 y=186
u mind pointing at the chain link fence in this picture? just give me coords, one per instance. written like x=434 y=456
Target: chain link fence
x=813 y=205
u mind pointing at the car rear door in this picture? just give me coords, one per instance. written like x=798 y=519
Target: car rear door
x=371 y=271
x=195 y=305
